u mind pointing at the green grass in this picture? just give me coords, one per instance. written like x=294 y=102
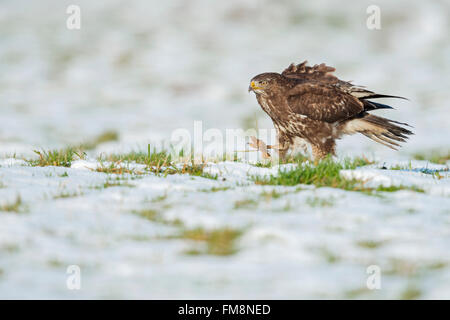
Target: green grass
x=319 y=202
x=160 y=198
x=272 y=194
x=113 y=182
x=435 y=173
x=397 y=188
x=55 y=263
x=401 y=167
x=410 y=293
x=369 y=244
x=356 y=293
x=106 y=136
x=329 y=256
x=150 y=158
x=156 y=216
x=326 y=173
x=157 y=162
x=117 y=168
x=435 y=156
x=160 y=163
x=267 y=164
x=15 y=206
x=149 y=214
x=297 y=158
x=245 y=204
x=215 y=189
x=59 y=158
x=286 y=207
x=220 y=242
x=110 y=183
x=10 y=247
x=64 y=157
x=67 y=194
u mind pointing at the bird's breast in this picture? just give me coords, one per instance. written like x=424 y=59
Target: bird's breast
x=271 y=106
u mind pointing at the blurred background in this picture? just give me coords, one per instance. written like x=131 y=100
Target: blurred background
x=144 y=68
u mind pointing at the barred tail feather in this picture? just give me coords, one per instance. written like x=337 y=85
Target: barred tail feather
x=384 y=131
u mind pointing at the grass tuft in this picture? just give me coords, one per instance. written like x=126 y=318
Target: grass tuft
x=160 y=163
x=319 y=202
x=117 y=168
x=410 y=293
x=397 y=188
x=15 y=206
x=369 y=244
x=155 y=216
x=67 y=194
x=151 y=158
x=326 y=173
x=59 y=158
x=245 y=204
x=64 y=157
x=215 y=189
x=220 y=242
x=269 y=195
x=438 y=157
x=106 y=136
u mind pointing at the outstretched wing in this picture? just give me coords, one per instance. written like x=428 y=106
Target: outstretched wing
x=323 y=102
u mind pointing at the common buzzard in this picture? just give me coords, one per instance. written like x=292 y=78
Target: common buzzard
x=312 y=104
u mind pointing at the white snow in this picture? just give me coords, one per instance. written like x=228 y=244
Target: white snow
x=437 y=182
x=290 y=248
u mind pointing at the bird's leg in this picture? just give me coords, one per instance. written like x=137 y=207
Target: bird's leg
x=321 y=151
x=283 y=147
x=282 y=153
x=282 y=150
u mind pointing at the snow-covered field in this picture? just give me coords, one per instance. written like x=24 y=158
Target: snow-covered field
x=142 y=69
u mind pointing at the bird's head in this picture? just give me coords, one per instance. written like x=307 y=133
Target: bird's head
x=264 y=82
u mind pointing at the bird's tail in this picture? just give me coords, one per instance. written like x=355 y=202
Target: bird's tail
x=381 y=130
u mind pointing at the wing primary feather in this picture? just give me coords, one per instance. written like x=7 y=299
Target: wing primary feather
x=370 y=105
x=377 y=96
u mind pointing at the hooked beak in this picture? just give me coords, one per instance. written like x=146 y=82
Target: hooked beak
x=253 y=86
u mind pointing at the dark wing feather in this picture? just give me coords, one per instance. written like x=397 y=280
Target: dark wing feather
x=323 y=102
x=303 y=71
x=323 y=73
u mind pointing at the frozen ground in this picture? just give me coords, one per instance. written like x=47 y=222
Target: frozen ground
x=304 y=242
x=145 y=68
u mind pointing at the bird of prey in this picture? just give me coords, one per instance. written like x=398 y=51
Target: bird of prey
x=312 y=104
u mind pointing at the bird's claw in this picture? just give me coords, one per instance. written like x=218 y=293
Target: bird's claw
x=260 y=146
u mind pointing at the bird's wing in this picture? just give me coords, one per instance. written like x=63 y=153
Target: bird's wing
x=324 y=74
x=323 y=102
x=316 y=72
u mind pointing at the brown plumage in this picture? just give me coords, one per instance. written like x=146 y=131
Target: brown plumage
x=312 y=104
